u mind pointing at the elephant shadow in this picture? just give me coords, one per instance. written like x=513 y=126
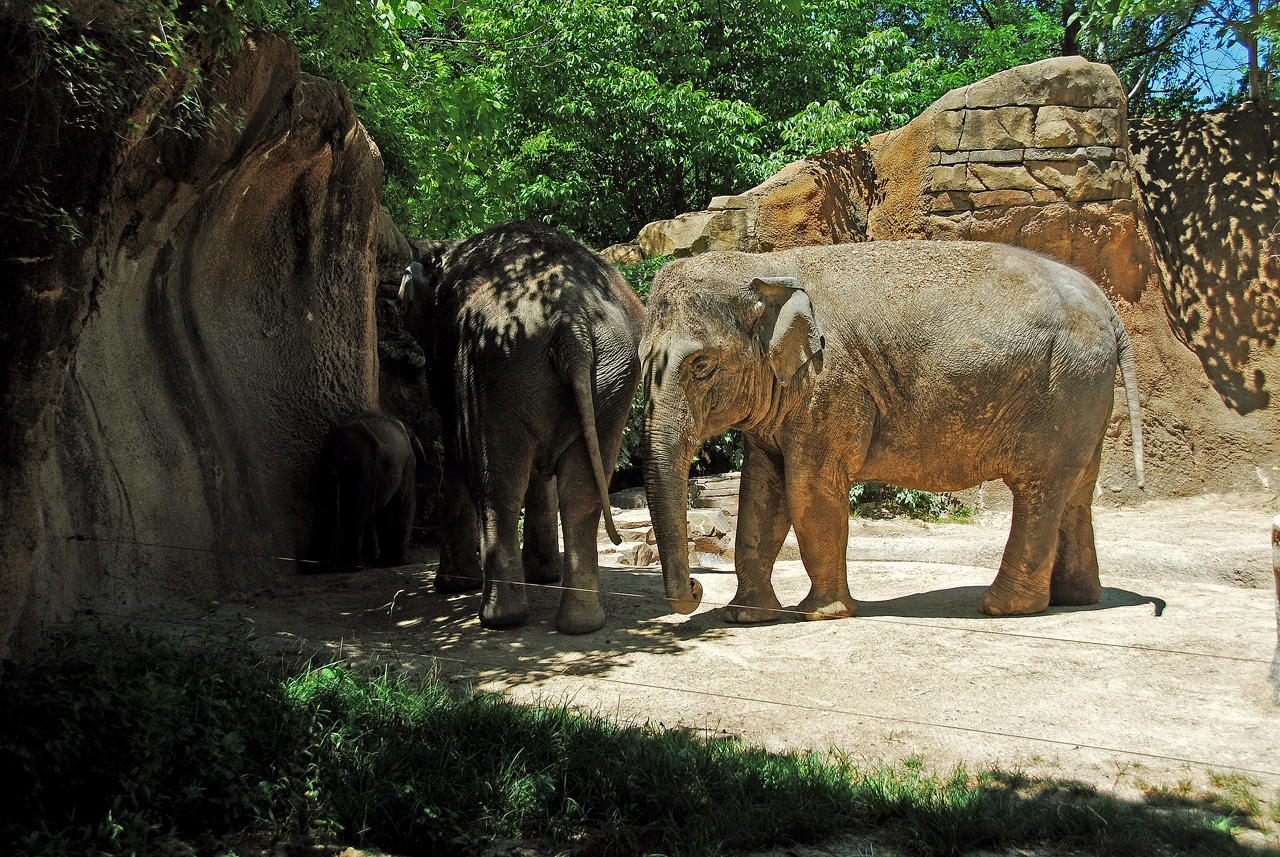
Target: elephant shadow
x=961 y=602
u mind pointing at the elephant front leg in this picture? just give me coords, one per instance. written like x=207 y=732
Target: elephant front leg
x=541 y=549
x=762 y=526
x=459 y=539
x=821 y=514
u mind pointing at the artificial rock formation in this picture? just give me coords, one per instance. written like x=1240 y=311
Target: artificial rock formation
x=171 y=372
x=818 y=200
x=1177 y=221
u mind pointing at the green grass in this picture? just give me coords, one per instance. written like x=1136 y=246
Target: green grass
x=129 y=743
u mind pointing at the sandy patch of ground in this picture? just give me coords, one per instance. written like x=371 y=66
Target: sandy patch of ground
x=1171 y=678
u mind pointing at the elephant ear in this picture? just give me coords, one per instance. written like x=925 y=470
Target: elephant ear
x=788 y=331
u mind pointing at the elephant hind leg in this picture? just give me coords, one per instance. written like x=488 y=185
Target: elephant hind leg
x=540 y=552
x=580 y=609
x=459 y=569
x=1023 y=582
x=1074 y=581
x=505 y=599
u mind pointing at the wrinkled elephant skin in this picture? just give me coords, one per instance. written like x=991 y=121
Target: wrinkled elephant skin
x=532 y=355
x=365 y=502
x=929 y=365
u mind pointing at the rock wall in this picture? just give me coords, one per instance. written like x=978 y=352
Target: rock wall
x=1178 y=221
x=173 y=370
x=1037 y=154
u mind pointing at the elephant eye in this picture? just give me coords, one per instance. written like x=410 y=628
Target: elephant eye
x=702 y=366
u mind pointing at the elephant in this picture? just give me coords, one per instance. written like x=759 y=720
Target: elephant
x=933 y=365
x=366 y=498
x=532 y=348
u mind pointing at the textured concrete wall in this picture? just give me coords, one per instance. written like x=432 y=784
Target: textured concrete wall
x=229 y=285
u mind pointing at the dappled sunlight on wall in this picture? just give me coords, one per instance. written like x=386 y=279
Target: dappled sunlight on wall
x=1210 y=183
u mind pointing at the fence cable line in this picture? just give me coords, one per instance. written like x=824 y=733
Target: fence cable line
x=567 y=672
x=656 y=598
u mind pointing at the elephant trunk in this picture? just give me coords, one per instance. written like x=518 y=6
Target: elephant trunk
x=668 y=446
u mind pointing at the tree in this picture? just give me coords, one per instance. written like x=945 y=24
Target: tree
x=1146 y=37
x=604 y=114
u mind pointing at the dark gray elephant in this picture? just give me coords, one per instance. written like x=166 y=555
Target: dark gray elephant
x=365 y=502
x=532 y=343
x=930 y=365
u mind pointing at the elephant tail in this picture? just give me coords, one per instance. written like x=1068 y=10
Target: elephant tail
x=577 y=364
x=1129 y=377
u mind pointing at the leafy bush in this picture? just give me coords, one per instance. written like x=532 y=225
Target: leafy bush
x=876 y=500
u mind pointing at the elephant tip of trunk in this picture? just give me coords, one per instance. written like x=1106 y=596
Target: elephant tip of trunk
x=689 y=604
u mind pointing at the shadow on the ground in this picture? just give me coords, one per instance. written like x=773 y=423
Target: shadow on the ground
x=961 y=602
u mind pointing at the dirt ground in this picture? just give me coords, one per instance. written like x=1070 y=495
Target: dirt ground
x=1171 y=679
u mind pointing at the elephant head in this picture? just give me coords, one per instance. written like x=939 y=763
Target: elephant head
x=419 y=290
x=717 y=355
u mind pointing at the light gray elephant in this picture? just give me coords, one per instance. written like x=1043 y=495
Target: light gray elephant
x=532 y=355
x=930 y=365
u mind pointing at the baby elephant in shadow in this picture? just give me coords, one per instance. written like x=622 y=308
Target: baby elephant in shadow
x=365 y=505
x=532 y=355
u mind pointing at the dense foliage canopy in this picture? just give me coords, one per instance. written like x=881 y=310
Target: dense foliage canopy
x=602 y=115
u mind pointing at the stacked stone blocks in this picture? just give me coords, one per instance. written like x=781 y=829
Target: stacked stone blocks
x=1037 y=151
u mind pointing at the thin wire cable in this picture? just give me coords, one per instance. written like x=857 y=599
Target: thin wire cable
x=80 y=537
x=887 y=621
x=712 y=605
x=567 y=672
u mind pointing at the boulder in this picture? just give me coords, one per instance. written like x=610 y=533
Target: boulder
x=817 y=200
x=394 y=254
x=637 y=554
x=623 y=254
x=709 y=522
x=696 y=232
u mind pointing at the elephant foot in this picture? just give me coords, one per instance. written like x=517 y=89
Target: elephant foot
x=814 y=608
x=456 y=582
x=743 y=612
x=504 y=606
x=999 y=602
x=579 y=616
x=1074 y=593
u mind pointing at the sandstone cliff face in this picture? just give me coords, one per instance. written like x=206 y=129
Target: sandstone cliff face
x=171 y=373
x=1176 y=221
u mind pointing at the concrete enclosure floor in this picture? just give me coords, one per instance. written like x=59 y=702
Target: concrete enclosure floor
x=1171 y=679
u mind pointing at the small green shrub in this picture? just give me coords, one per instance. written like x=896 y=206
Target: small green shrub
x=878 y=501
x=640 y=275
